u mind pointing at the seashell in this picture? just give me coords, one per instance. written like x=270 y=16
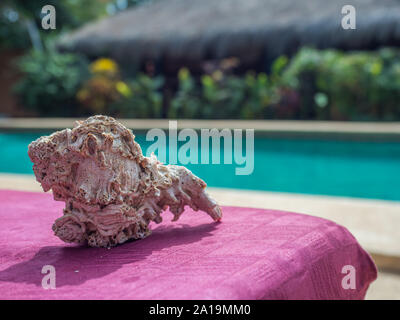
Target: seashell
x=111 y=191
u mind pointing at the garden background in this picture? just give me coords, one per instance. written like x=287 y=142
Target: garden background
x=43 y=77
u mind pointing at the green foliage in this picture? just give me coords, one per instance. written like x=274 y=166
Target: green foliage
x=15 y=15
x=50 y=81
x=260 y=95
x=314 y=84
x=70 y=14
x=143 y=101
x=334 y=85
x=187 y=102
x=218 y=96
x=12 y=34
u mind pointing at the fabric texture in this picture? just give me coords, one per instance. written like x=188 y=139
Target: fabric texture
x=251 y=254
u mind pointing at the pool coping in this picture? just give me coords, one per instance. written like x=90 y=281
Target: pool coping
x=296 y=127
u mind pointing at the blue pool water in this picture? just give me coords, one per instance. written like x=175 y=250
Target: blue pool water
x=328 y=167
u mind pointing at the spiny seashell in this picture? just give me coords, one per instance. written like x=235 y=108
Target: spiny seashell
x=111 y=191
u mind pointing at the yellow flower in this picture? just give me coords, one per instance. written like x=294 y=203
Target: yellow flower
x=123 y=88
x=104 y=65
x=183 y=74
x=376 y=68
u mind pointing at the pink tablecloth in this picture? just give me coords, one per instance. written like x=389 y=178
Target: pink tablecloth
x=251 y=254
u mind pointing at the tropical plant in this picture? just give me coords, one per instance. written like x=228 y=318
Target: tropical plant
x=50 y=81
x=141 y=98
x=219 y=96
x=101 y=89
x=335 y=85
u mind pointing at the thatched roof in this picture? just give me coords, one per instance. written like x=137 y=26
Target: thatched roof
x=254 y=30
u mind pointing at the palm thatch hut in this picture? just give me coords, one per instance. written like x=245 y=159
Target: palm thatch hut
x=175 y=33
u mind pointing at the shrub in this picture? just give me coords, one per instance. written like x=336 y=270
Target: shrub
x=106 y=92
x=50 y=81
x=313 y=84
x=218 y=96
x=101 y=89
x=187 y=101
x=142 y=98
x=334 y=85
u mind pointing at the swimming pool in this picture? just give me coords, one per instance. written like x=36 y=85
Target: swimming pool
x=362 y=169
